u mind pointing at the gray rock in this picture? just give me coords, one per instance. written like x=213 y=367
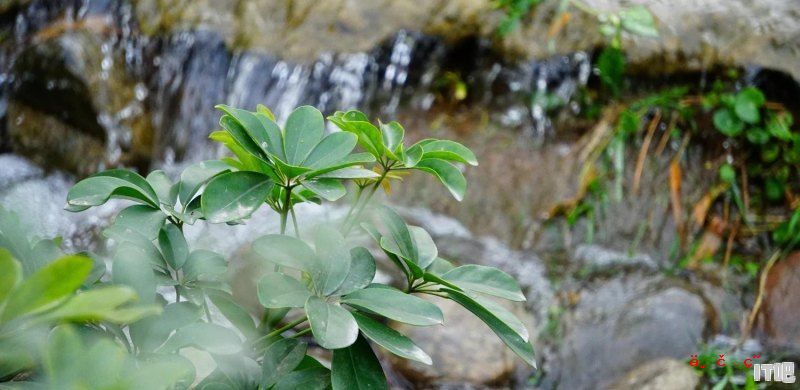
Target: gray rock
x=620 y=323
x=596 y=257
x=662 y=374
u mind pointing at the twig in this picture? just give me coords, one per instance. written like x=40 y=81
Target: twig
x=760 y=297
x=637 y=176
x=729 y=248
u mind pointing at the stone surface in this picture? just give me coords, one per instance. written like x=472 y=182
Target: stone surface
x=693 y=34
x=662 y=374
x=622 y=322
x=464 y=350
x=779 y=318
x=72 y=103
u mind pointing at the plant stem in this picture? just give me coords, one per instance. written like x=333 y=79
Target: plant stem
x=285 y=207
x=359 y=191
x=279 y=331
x=205 y=308
x=301 y=333
x=362 y=206
x=294 y=222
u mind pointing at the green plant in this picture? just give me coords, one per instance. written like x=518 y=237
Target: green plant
x=322 y=278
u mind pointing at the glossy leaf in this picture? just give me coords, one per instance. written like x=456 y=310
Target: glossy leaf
x=330 y=150
x=328 y=189
x=504 y=315
x=333 y=326
x=449 y=150
x=143 y=219
x=276 y=290
x=346 y=173
x=396 y=305
x=748 y=103
x=727 y=123
x=507 y=334
x=361 y=272
x=303 y=132
x=426 y=248
x=173 y=246
x=103 y=304
x=47 y=286
x=317 y=378
x=286 y=251
x=10 y=274
x=151 y=332
x=212 y=338
x=333 y=260
x=131 y=268
x=399 y=237
x=393 y=134
x=195 y=176
x=280 y=359
x=487 y=280
x=204 y=266
x=117 y=183
x=235 y=313
x=391 y=339
x=163 y=187
x=235 y=195
x=448 y=174
x=356 y=367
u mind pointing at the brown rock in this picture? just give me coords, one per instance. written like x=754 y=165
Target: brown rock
x=662 y=374
x=779 y=318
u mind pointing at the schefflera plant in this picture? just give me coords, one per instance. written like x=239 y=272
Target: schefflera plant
x=321 y=283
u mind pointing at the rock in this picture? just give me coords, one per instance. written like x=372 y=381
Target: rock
x=463 y=350
x=662 y=374
x=693 y=35
x=621 y=322
x=778 y=319
x=72 y=103
x=595 y=257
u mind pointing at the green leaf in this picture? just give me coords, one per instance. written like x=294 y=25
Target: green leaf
x=304 y=129
x=173 y=246
x=356 y=367
x=204 y=266
x=236 y=314
x=509 y=336
x=426 y=248
x=396 y=305
x=131 y=268
x=757 y=135
x=252 y=125
x=727 y=123
x=212 y=338
x=333 y=326
x=264 y=110
x=447 y=173
x=338 y=167
x=103 y=304
x=399 y=234
x=332 y=149
x=162 y=186
x=117 y=183
x=276 y=290
x=240 y=135
x=280 y=359
x=779 y=125
x=149 y=333
x=747 y=105
x=361 y=273
x=346 y=173
x=195 y=176
x=328 y=189
x=235 y=195
x=393 y=134
x=143 y=219
x=487 y=280
x=47 y=286
x=611 y=66
x=391 y=339
x=286 y=251
x=638 y=20
x=10 y=274
x=274 y=135
x=317 y=378
x=449 y=150
x=369 y=137
x=333 y=260
x=412 y=155
x=504 y=315
x=150 y=253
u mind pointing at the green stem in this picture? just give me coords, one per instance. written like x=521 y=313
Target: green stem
x=362 y=206
x=301 y=333
x=359 y=191
x=294 y=222
x=279 y=331
x=205 y=308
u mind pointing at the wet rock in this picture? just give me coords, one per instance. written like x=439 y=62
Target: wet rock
x=464 y=350
x=619 y=323
x=779 y=319
x=692 y=35
x=662 y=374
x=595 y=257
x=71 y=99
